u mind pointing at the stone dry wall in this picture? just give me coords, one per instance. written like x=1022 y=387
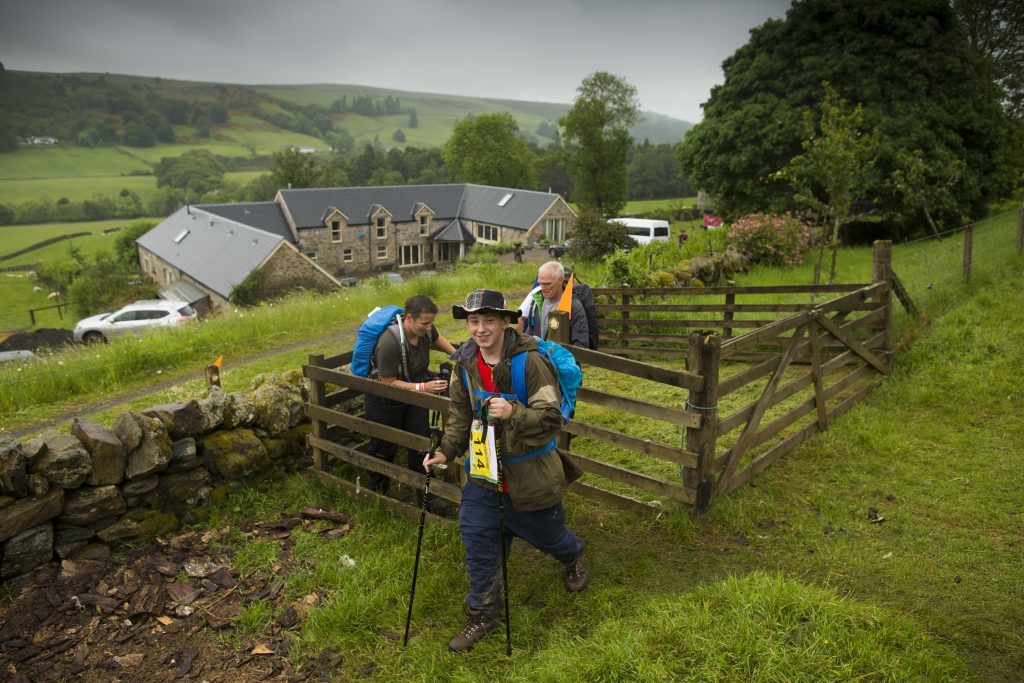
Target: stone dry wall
x=72 y=496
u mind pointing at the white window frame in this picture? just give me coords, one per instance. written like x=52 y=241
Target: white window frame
x=382 y=227
x=412 y=248
x=382 y=252
x=424 y=225
x=484 y=232
x=311 y=255
x=336 y=231
x=346 y=255
x=554 y=230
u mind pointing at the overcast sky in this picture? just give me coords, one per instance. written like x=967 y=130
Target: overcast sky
x=671 y=50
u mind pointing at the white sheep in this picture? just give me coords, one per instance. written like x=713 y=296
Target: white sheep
x=37 y=288
x=53 y=295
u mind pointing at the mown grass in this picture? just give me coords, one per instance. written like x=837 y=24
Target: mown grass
x=785 y=579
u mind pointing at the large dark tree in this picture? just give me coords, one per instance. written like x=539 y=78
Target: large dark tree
x=598 y=139
x=197 y=171
x=908 y=64
x=996 y=28
x=488 y=150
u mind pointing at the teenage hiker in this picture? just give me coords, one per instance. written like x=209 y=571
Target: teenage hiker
x=405 y=368
x=534 y=477
x=545 y=298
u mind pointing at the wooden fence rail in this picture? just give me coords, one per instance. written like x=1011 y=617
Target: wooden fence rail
x=741 y=402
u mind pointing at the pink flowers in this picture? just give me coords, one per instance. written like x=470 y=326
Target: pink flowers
x=771 y=239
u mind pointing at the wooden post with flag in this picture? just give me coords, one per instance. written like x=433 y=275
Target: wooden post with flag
x=213 y=372
x=559 y=320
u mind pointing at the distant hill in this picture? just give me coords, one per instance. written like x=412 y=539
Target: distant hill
x=95 y=110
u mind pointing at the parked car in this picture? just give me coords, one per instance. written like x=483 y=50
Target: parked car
x=134 y=318
x=644 y=230
x=558 y=250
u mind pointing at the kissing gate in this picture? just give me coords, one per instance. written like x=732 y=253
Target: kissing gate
x=761 y=376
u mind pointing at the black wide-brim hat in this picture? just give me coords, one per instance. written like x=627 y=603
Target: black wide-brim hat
x=484 y=301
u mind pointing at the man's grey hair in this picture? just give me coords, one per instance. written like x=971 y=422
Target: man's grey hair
x=554 y=269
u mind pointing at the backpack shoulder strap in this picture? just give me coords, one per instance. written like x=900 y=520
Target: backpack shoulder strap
x=519 y=377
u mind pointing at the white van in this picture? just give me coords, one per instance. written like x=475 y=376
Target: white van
x=644 y=230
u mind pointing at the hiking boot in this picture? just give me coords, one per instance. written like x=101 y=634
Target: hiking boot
x=478 y=627
x=576 y=576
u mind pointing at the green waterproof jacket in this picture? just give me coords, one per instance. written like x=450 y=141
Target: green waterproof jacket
x=534 y=483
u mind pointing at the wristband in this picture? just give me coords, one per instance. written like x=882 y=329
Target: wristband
x=419 y=386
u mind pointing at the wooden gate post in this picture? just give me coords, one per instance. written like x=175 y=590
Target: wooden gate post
x=881 y=271
x=1020 y=229
x=316 y=397
x=626 y=300
x=730 y=301
x=968 y=250
x=704 y=355
x=559 y=327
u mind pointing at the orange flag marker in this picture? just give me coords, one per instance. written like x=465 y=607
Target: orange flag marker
x=218 y=361
x=565 y=303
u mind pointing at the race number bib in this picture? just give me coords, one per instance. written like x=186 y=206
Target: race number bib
x=483 y=463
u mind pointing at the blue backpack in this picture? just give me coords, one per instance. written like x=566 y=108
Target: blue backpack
x=379 y=320
x=570 y=376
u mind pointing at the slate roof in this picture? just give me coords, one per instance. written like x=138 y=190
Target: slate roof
x=262 y=215
x=454 y=232
x=217 y=251
x=183 y=291
x=469 y=202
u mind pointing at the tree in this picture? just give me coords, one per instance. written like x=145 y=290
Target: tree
x=833 y=170
x=996 y=29
x=138 y=134
x=196 y=171
x=654 y=173
x=414 y=121
x=594 y=237
x=398 y=135
x=488 y=150
x=598 y=140
x=931 y=93
x=292 y=168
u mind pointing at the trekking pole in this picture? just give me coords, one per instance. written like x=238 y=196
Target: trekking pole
x=498 y=447
x=434 y=429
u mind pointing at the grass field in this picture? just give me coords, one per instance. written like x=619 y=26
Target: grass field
x=785 y=579
x=77 y=189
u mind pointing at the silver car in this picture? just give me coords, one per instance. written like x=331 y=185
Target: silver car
x=134 y=318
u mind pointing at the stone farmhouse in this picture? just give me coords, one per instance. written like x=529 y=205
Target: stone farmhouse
x=319 y=238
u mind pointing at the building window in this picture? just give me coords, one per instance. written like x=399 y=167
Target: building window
x=382 y=227
x=335 y=231
x=382 y=251
x=311 y=255
x=411 y=255
x=487 y=233
x=554 y=230
x=346 y=256
x=424 y=225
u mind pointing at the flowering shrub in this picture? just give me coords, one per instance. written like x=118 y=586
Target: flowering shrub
x=771 y=240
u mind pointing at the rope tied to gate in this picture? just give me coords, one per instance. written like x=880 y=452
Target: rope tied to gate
x=697 y=407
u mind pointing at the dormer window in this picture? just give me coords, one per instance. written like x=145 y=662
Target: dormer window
x=424 y=225
x=382 y=227
x=335 y=231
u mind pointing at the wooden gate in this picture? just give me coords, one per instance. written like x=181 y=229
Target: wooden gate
x=644 y=433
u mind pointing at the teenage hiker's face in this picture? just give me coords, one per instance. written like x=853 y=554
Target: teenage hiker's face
x=550 y=286
x=487 y=330
x=419 y=327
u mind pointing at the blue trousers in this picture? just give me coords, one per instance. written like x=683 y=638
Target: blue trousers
x=480 y=529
